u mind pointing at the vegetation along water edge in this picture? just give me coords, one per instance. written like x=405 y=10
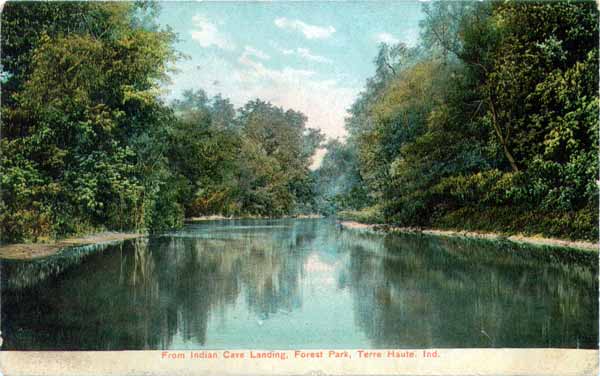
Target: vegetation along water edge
x=518 y=238
x=488 y=123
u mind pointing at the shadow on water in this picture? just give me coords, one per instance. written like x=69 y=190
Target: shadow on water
x=441 y=292
x=300 y=283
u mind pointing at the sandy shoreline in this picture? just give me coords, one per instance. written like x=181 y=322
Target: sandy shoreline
x=588 y=246
x=26 y=251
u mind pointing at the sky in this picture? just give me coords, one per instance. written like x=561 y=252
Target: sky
x=312 y=57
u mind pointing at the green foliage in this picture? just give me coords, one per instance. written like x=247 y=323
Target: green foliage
x=80 y=120
x=338 y=183
x=253 y=161
x=371 y=215
x=88 y=144
x=491 y=124
x=494 y=127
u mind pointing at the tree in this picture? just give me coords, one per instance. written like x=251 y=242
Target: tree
x=81 y=93
x=492 y=127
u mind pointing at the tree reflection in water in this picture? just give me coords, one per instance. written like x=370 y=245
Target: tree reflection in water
x=299 y=283
x=142 y=293
x=422 y=292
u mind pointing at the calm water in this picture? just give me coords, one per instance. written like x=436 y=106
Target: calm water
x=283 y=284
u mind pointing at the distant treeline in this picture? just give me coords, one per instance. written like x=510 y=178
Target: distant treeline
x=490 y=123
x=87 y=144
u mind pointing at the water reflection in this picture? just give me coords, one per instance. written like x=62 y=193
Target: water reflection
x=456 y=293
x=300 y=284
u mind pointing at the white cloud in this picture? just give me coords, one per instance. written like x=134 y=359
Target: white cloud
x=207 y=34
x=256 y=73
x=386 y=38
x=306 y=54
x=251 y=51
x=409 y=36
x=309 y=31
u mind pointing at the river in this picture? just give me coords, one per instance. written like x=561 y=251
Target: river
x=300 y=284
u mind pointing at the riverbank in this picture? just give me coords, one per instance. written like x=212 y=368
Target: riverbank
x=27 y=251
x=534 y=240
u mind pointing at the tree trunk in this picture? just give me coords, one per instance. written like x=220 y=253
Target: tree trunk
x=501 y=137
x=510 y=158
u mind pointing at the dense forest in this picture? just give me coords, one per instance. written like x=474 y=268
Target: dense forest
x=489 y=123
x=88 y=143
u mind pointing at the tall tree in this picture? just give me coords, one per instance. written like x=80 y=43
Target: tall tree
x=81 y=85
